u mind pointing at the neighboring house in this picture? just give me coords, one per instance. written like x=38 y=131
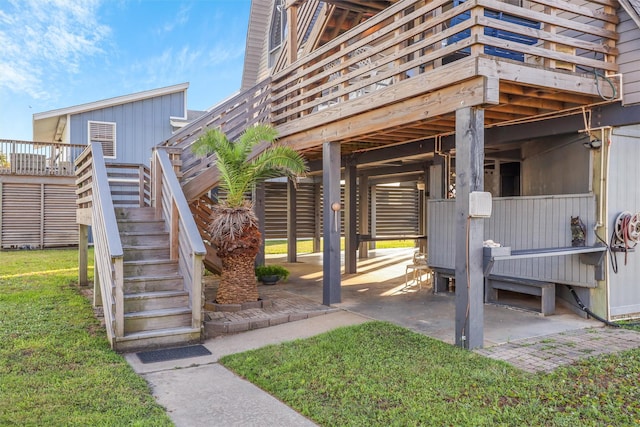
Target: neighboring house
x=127 y=126
x=537 y=102
x=40 y=175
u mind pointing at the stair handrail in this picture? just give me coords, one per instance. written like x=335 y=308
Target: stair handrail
x=108 y=252
x=184 y=237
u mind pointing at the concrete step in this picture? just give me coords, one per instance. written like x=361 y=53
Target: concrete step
x=155 y=283
x=150 y=320
x=146 y=340
x=163 y=267
x=144 y=301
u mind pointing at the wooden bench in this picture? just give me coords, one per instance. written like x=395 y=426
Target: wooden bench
x=545 y=290
x=441 y=277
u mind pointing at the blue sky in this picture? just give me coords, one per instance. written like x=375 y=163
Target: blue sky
x=61 y=53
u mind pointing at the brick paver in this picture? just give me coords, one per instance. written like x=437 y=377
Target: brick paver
x=546 y=353
x=284 y=307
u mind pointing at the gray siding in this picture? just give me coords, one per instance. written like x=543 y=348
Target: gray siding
x=38 y=214
x=623 y=195
x=396 y=211
x=556 y=167
x=522 y=223
x=629 y=58
x=140 y=125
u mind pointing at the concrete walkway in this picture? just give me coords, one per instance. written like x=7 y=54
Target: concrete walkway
x=199 y=392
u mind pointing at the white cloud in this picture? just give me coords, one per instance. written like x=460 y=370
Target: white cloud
x=42 y=39
x=181 y=18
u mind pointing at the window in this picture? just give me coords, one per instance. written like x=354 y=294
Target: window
x=105 y=134
x=278 y=30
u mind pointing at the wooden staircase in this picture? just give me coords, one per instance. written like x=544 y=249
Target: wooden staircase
x=148 y=252
x=156 y=304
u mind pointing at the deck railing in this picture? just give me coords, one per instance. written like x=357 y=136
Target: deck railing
x=411 y=38
x=130 y=184
x=186 y=245
x=94 y=192
x=231 y=116
x=38 y=158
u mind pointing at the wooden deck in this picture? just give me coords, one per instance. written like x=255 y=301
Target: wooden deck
x=400 y=76
x=37 y=158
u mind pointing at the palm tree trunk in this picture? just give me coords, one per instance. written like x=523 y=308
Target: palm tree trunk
x=238 y=280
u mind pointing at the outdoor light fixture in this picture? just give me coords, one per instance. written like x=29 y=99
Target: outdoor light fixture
x=593 y=143
x=420 y=184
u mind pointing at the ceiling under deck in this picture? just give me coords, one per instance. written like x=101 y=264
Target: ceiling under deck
x=518 y=104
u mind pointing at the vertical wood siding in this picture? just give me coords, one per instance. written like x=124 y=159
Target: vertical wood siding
x=623 y=195
x=140 y=125
x=522 y=223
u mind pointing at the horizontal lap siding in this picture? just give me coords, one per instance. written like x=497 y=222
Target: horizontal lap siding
x=276 y=210
x=629 y=58
x=38 y=215
x=396 y=210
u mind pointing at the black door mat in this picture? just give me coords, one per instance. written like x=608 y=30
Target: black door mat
x=175 y=353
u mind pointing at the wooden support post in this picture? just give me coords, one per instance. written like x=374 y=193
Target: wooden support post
x=1 y=197
x=350 y=218
x=374 y=215
x=331 y=221
x=422 y=208
x=83 y=255
x=363 y=249
x=469 y=231
x=97 y=287
x=292 y=221
x=292 y=21
x=317 y=233
x=174 y=230
x=258 y=208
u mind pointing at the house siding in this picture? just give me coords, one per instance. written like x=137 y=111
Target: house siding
x=629 y=58
x=556 y=166
x=624 y=293
x=140 y=125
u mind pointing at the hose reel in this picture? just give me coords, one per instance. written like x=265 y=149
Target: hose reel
x=625 y=235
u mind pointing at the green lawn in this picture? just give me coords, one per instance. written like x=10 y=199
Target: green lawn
x=56 y=367
x=305 y=246
x=378 y=374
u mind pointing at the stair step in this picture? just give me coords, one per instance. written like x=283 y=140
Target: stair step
x=155 y=283
x=169 y=337
x=157 y=319
x=144 y=301
x=135 y=238
x=140 y=226
x=141 y=268
x=135 y=213
x=149 y=252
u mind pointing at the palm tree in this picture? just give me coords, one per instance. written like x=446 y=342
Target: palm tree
x=234 y=225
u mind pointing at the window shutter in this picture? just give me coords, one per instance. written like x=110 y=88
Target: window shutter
x=105 y=134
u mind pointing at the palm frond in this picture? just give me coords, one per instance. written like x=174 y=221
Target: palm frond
x=238 y=174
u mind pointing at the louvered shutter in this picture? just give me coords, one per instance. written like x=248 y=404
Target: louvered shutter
x=105 y=134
